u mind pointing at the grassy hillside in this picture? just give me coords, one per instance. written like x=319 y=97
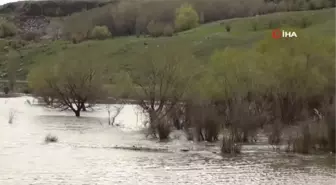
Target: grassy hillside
x=202 y=40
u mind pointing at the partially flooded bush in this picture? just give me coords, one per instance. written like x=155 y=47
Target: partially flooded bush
x=6 y=90
x=50 y=139
x=275 y=134
x=330 y=122
x=303 y=142
x=204 y=121
x=158 y=127
x=243 y=122
x=312 y=136
x=164 y=128
x=230 y=146
x=11 y=116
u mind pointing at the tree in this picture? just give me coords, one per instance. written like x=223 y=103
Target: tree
x=186 y=17
x=13 y=58
x=72 y=83
x=295 y=76
x=159 y=77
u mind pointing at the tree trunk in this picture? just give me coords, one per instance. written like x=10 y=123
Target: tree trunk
x=77 y=113
x=83 y=107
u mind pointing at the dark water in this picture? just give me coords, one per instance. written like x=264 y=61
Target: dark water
x=85 y=154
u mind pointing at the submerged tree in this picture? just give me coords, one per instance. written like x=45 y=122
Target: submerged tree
x=71 y=84
x=160 y=79
x=13 y=59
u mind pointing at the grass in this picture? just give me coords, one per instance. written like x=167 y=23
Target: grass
x=203 y=40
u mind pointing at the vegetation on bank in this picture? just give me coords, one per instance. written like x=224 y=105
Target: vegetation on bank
x=277 y=84
x=225 y=76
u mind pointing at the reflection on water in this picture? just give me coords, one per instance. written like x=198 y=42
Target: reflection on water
x=85 y=154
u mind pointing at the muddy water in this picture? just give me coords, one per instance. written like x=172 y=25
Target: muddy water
x=85 y=154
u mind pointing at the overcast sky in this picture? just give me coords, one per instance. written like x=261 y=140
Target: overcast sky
x=6 y=1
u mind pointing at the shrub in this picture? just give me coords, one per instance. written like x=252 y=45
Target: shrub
x=11 y=116
x=186 y=17
x=16 y=44
x=50 y=139
x=100 y=32
x=330 y=121
x=6 y=90
x=26 y=91
x=229 y=145
x=163 y=130
x=78 y=37
x=275 y=134
x=273 y=24
x=155 y=29
x=30 y=36
x=228 y=27
x=313 y=134
x=305 y=22
x=7 y=29
x=168 y=30
x=254 y=25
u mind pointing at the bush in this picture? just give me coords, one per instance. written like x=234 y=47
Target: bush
x=330 y=121
x=186 y=17
x=305 y=22
x=26 y=91
x=78 y=37
x=156 y=29
x=7 y=29
x=100 y=32
x=50 y=139
x=307 y=136
x=229 y=145
x=6 y=90
x=275 y=134
x=168 y=31
x=254 y=25
x=163 y=130
x=228 y=27
x=30 y=36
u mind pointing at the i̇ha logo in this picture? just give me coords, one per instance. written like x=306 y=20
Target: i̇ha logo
x=277 y=34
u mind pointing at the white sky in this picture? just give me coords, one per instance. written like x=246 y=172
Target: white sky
x=6 y=1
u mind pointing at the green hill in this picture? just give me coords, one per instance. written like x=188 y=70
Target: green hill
x=203 y=40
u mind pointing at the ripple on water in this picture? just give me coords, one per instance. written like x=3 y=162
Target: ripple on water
x=85 y=155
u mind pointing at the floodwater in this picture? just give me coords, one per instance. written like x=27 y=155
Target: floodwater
x=85 y=154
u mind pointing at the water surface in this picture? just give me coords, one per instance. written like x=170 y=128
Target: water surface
x=85 y=154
